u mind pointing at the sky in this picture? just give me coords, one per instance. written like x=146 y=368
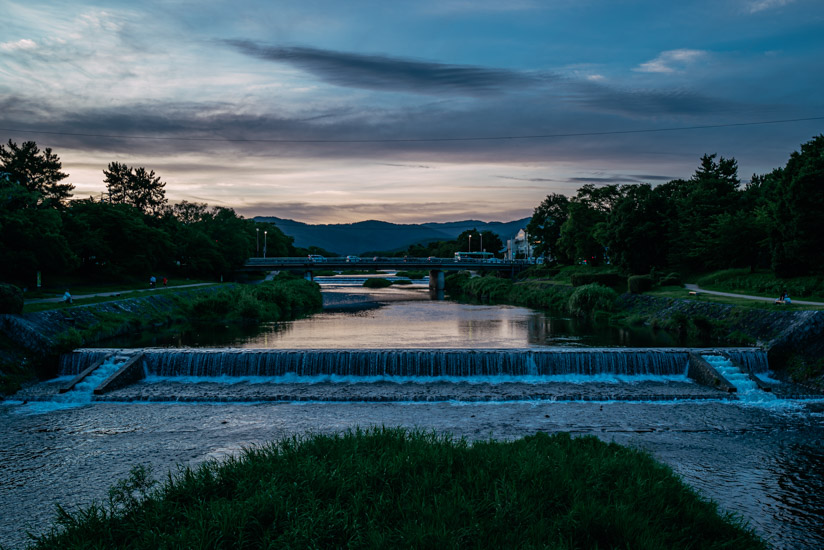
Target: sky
x=408 y=111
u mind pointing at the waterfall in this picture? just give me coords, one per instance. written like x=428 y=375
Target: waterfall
x=235 y=362
x=754 y=360
x=72 y=364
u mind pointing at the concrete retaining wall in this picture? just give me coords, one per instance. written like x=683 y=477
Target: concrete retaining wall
x=702 y=372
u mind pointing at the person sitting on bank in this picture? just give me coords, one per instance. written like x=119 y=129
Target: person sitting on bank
x=784 y=298
x=67 y=297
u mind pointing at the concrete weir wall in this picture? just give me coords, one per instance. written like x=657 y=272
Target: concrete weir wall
x=129 y=373
x=702 y=372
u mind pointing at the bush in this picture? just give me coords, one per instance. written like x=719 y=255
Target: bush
x=213 y=306
x=11 y=299
x=488 y=288
x=639 y=283
x=590 y=298
x=673 y=279
x=605 y=279
x=377 y=282
x=412 y=274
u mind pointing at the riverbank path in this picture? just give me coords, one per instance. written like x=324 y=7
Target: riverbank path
x=695 y=288
x=113 y=293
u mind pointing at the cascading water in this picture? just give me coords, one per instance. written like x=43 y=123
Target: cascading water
x=402 y=363
x=748 y=390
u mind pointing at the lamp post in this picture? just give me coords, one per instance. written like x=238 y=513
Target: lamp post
x=264 y=242
x=257 y=241
x=482 y=242
x=470 y=243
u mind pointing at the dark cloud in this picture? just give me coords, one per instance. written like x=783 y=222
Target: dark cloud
x=647 y=177
x=380 y=72
x=647 y=103
x=527 y=179
x=604 y=181
x=403 y=165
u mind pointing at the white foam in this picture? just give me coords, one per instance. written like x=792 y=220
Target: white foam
x=293 y=378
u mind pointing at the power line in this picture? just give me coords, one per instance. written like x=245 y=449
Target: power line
x=419 y=140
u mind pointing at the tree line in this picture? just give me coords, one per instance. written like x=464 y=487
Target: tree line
x=710 y=221
x=130 y=232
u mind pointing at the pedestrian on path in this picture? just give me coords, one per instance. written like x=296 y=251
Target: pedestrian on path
x=152 y=281
x=67 y=296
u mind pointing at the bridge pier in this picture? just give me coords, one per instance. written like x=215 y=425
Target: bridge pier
x=436 y=280
x=308 y=276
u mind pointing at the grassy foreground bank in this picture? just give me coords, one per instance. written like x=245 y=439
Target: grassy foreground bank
x=390 y=488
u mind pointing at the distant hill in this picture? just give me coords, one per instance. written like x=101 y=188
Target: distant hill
x=356 y=238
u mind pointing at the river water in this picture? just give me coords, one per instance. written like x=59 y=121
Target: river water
x=761 y=459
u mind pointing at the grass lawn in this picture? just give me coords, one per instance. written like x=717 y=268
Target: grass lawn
x=683 y=293
x=124 y=294
x=390 y=488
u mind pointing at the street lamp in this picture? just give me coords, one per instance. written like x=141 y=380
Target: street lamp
x=257 y=241
x=470 y=244
x=264 y=242
x=482 y=242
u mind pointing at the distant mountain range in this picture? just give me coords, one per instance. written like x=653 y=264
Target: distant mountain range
x=373 y=235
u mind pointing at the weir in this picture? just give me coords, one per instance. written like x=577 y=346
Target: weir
x=412 y=362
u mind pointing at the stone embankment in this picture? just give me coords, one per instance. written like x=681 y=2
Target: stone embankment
x=780 y=332
x=41 y=332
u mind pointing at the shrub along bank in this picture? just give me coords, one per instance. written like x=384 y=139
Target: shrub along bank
x=389 y=488
x=34 y=341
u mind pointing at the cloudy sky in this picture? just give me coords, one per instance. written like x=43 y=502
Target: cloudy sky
x=333 y=112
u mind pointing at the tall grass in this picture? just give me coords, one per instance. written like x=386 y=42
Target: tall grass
x=279 y=299
x=389 y=488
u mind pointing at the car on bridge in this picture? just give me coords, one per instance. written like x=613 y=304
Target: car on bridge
x=316 y=258
x=352 y=259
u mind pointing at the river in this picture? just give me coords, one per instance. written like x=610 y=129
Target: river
x=761 y=458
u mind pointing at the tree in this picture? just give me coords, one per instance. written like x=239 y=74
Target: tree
x=796 y=213
x=633 y=232
x=581 y=234
x=544 y=228
x=31 y=239
x=36 y=171
x=135 y=187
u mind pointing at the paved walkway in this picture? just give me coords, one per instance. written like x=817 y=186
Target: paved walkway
x=113 y=293
x=695 y=288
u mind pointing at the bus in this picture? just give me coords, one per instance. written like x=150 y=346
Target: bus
x=473 y=256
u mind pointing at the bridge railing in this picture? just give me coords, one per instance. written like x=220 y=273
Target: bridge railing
x=422 y=262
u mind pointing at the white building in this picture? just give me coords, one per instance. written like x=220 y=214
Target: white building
x=519 y=247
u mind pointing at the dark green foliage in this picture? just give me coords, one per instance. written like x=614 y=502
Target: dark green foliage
x=591 y=298
x=743 y=281
x=794 y=212
x=389 y=488
x=488 y=288
x=671 y=279
x=11 y=299
x=542 y=271
x=544 y=228
x=638 y=284
x=37 y=172
x=377 y=282
x=282 y=298
x=412 y=274
x=605 y=279
x=454 y=282
x=135 y=187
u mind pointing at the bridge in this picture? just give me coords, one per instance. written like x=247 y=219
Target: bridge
x=435 y=266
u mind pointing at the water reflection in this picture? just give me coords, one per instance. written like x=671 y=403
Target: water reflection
x=407 y=318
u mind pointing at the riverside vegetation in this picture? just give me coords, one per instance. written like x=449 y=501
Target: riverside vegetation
x=391 y=488
x=283 y=298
